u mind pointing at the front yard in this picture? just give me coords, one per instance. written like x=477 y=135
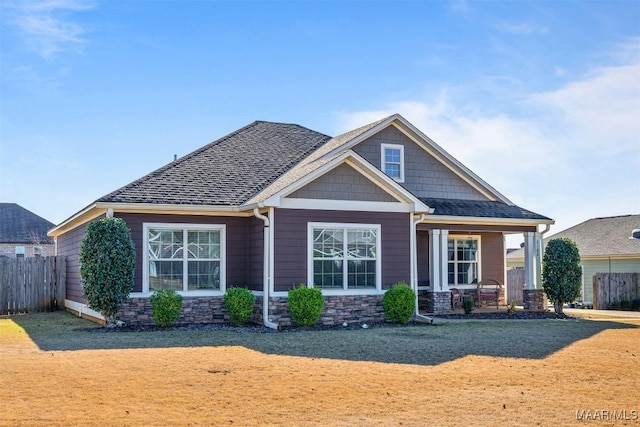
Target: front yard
x=536 y=372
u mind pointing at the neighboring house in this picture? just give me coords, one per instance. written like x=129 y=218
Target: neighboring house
x=273 y=205
x=606 y=245
x=23 y=233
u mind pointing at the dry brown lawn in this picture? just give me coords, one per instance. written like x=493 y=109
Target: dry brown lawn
x=235 y=385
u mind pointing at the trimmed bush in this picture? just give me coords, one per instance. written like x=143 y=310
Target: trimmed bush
x=305 y=304
x=166 y=305
x=107 y=264
x=239 y=303
x=399 y=303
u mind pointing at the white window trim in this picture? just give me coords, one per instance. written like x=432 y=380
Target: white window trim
x=371 y=291
x=479 y=262
x=182 y=226
x=400 y=147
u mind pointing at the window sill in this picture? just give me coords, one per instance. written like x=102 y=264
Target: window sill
x=187 y=294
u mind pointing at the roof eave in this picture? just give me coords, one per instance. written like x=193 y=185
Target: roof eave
x=461 y=220
x=100 y=208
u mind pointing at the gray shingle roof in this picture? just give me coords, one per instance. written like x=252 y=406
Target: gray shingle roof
x=480 y=209
x=19 y=225
x=314 y=161
x=608 y=236
x=226 y=172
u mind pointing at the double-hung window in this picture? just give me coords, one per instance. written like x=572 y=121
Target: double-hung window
x=184 y=257
x=393 y=161
x=463 y=254
x=344 y=256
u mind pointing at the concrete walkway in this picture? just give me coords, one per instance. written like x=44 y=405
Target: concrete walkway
x=617 y=314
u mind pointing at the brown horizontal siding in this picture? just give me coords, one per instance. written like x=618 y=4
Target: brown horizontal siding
x=290 y=244
x=69 y=246
x=238 y=249
x=422 y=245
x=492 y=252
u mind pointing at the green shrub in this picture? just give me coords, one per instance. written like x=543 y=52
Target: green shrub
x=399 y=303
x=625 y=305
x=239 y=303
x=468 y=304
x=511 y=309
x=166 y=305
x=561 y=272
x=305 y=304
x=107 y=263
x=635 y=305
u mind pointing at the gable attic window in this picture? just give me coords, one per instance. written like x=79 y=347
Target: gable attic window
x=393 y=161
x=186 y=258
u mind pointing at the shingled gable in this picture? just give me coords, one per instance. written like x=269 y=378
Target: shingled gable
x=331 y=153
x=226 y=172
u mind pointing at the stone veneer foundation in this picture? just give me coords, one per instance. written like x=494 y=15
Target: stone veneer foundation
x=434 y=302
x=534 y=300
x=337 y=310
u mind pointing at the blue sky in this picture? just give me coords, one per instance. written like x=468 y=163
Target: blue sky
x=540 y=99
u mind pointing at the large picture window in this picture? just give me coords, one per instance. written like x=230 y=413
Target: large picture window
x=344 y=256
x=184 y=257
x=463 y=254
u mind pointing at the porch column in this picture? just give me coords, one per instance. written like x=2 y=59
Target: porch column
x=434 y=259
x=444 y=264
x=438 y=268
x=532 y=294
x=529 y=261
x=439 y=296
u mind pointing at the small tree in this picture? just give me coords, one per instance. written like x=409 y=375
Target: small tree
x=561 y=272
x=107 y=264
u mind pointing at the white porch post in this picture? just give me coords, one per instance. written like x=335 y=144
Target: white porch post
x=438 y=268
x=530 y=261
x=434 y=259
x=444 y=265
x=538 y=262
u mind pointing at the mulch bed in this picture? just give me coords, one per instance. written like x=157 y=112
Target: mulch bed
x=260 y=329
x=518 y=315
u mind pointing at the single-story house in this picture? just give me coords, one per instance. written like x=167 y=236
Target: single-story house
x=23 y=233
x=274 y=205
x=606 y=245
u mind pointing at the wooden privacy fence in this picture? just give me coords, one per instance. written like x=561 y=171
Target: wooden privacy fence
x=609 y=289
x=32 y=284
x=515 y=285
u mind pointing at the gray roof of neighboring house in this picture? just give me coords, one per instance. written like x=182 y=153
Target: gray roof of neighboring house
x=608 y=236
x=19 y=225
x=226 y=172
x=479 y=208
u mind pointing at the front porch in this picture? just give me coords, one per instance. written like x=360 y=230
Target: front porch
x=450 y=262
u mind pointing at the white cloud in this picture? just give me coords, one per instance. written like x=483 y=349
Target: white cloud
x=573 y=157
x=45 y=25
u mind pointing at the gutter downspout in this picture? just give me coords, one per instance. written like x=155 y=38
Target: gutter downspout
x=267 y=269
x=414 y=266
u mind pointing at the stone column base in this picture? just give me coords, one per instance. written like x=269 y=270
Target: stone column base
x=534 y=300
x=434 y=302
